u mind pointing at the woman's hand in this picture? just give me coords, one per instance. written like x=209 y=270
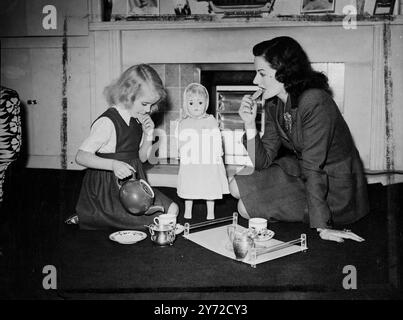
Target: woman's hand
x=338 y=235
x=247 y=112
x=122 y=169
x=147 y=124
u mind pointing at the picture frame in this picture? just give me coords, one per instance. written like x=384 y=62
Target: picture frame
x=184 y=7
x=384 y=7
x=317 y=6
x=134 y=7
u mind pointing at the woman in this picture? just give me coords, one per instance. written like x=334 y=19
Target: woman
x=306 y=165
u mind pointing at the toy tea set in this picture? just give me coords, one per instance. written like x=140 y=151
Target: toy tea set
x=137 y=197
x=252 y=245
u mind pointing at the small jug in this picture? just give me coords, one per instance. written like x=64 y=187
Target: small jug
x=162 y=235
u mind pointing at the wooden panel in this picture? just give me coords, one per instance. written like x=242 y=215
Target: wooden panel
x=36 y=75
x=44 y=118
x=16 y=71
x=335 y=74
x=105 y=66
x=33 y=67
x=377 y=138
x=79 y=103
x=24 y=17
x=229 y=45
x=397 y=103
x=357 y=112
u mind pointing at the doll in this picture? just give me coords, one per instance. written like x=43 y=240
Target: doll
x=201 y=172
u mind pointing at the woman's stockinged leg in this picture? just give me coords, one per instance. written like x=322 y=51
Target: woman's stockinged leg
x=242 y=210
x=188 y=209
x=210 y=209
x=233 y=188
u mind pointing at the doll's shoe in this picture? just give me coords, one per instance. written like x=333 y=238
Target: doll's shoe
x=187 y=216
x=210 y=217
x=73 y=219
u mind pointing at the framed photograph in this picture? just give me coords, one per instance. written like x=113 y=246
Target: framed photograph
x=383 y=7
x=317 y=6
x=134 y=7
x=184 y=7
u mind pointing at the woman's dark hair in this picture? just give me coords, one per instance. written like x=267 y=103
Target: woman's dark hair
x=292 y=65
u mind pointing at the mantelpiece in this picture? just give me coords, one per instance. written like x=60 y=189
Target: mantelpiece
x=284 y=21
x=369 y=52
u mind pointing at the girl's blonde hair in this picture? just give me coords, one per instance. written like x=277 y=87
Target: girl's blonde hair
x=194 y=89
x=127 y=87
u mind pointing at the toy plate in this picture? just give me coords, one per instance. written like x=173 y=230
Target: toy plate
x=127 y=236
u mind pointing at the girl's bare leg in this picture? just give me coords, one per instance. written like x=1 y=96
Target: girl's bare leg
x=188 y=209
x=210 y=209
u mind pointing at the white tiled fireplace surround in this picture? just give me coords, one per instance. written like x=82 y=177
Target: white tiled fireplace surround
x=177 y=50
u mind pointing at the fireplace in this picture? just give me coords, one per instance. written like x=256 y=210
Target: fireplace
x=219 y=54
x=228 y=83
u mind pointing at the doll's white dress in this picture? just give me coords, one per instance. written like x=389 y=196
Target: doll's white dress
x=201 y=172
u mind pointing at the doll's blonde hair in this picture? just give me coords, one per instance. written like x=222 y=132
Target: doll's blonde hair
x=194 y=89
x=127 y=87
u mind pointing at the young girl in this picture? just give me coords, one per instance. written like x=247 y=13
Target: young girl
x=120 y=140
x=201 y=171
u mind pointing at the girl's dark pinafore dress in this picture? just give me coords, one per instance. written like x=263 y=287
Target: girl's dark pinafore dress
x=98 y=206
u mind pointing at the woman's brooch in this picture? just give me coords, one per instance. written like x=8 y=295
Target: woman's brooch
x=288 y=121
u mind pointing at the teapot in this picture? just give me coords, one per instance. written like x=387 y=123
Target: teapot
x=137 y=196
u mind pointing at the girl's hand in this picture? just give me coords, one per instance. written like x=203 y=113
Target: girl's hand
x=338 y=235
x=122 y=169
x=147 y=124
x=247 y=111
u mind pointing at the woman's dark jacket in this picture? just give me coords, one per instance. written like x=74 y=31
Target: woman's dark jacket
x=312 y=141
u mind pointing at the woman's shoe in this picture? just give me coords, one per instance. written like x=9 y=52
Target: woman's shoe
x=73 y=219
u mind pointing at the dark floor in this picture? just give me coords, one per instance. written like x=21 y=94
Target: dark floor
x=33 y=235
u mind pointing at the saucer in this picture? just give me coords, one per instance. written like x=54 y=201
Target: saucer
x=267 y=235
x=127 y=236
x=179 y=228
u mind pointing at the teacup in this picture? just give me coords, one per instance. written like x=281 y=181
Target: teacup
x=258 y=225
x=165 y=219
